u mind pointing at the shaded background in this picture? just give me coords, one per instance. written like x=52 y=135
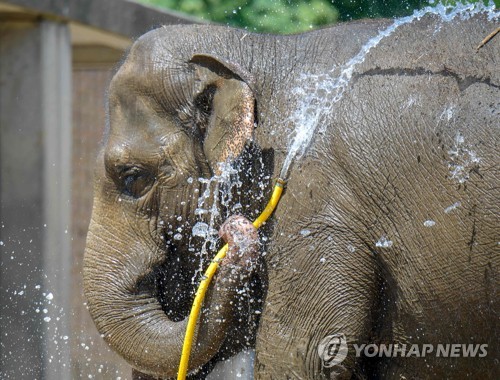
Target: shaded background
x=56 y=60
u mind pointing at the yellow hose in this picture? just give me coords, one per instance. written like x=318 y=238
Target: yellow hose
x=209 y=274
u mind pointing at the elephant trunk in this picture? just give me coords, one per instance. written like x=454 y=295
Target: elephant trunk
x=131 y=319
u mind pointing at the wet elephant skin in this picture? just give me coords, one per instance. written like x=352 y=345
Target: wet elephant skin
x=387 y=231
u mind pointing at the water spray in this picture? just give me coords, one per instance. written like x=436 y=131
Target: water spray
x=209 y=274
x=308 y=114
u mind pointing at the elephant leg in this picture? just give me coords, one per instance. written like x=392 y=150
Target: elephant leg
x=240 y=367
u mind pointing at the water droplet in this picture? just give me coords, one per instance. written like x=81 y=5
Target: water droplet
x=305 y=232
x=200 y=229
x=449 y=209
x=47 y=319
x=49 y=296
x=429 y=223
x=384 y=242
x=177 y=237
x=200 y=211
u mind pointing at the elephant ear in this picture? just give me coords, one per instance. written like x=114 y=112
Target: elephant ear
x=225 y=104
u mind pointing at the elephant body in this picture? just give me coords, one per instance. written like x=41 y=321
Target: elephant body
x=388 y=228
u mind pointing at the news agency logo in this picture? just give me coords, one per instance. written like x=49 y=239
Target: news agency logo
x=333 y=350
x=455 y=350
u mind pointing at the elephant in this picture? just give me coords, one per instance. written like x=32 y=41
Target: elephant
x=387 y=231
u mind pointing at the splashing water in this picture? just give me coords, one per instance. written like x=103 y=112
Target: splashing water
x=217 y=189
x=327 y=89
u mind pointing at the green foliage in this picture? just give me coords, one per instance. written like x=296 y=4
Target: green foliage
x=273 y=16
x=293 y=16
x=281 y=17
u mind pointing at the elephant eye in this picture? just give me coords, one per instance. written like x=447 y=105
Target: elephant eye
x=135 y=181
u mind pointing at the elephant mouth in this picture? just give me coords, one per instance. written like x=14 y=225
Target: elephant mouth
x=173 y=277
x=171 y=283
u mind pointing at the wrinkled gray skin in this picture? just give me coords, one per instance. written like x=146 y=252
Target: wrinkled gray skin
x=415 y=133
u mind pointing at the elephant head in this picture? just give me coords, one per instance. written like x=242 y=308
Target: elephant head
x=170 y=123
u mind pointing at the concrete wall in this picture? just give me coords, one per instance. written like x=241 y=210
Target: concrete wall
x=56 y=60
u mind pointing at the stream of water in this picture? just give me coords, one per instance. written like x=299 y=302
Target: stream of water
x=319 y=94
